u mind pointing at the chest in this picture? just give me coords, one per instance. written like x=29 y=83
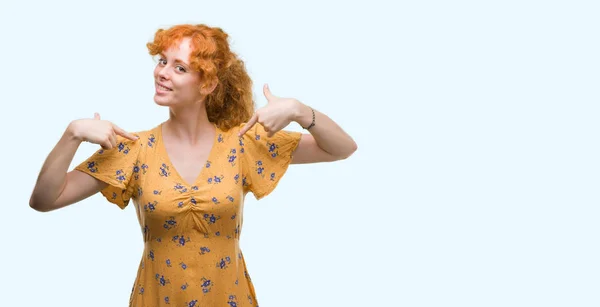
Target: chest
x=188 y=162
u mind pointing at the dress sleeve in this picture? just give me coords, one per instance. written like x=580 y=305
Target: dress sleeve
x=116 y=167
x=266 y=159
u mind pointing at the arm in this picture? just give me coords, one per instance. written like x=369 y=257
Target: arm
x=326 y=142
x=55 y=188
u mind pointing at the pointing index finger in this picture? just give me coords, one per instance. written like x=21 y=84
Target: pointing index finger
x=248 y=125
x=123 y=133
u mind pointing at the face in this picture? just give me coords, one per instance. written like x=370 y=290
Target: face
x=175 y=82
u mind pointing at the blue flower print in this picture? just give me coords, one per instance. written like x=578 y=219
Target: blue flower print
x=122 y=148
x=183 y=265
x=150 y=206
x=184 y=286
x=232 y=301
x=180 y=204
x=137 y=168
x=195 y=188
x=229 y=198
x=272 y=177
x=204 y=250
x=218 y=233
x=273 y=149
x=164 y=170
x=236 y=178
x=215 y=201
x=141 y=290
x=193 y=200
x=208 y=164
x=236 y=281
x=168 y=263
x=192 y=303
x=170 y=223
x=151 y=255
x=161 y=279
x=156 y=192
x=257 y=137
x=232 y=156
x=220 y=138
x=223 y=264
x=180 y=188
x=260 y=168
x=211 y=219
x=140 y=191
x=206 y=285
x=215 y=179
x=233 y=217
x=250 y=299
x=120 y=175
x=180 y=240
x=244 y=182
x=151 y=140
x=167 y=300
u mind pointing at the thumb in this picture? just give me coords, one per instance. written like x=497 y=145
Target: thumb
x=268 y=93
x=96 y=115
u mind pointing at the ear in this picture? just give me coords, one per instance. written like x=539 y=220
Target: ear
x=209 y=87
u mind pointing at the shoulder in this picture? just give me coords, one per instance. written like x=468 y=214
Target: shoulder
x=146 y=138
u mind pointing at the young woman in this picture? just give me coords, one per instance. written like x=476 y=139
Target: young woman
x=188 y=176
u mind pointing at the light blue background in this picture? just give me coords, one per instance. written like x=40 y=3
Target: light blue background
x=475 y=182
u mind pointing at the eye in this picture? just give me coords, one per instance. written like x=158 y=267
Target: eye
x=162 y=61
x=180 y=68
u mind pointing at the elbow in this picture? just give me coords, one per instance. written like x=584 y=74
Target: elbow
x=38 y=206
x=350 y=151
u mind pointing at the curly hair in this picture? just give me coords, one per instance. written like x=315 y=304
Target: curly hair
x=231 y=103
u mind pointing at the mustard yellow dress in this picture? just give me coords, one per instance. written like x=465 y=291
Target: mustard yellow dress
x=192 y=230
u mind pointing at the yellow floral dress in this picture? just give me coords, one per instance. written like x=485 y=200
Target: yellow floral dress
x=192 y=230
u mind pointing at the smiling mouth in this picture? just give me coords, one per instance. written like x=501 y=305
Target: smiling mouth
x=162 y=87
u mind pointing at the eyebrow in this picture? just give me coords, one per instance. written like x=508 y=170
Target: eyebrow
x=177 y=60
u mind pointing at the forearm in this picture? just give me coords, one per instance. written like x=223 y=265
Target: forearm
x=328 y=134
x=52 y=176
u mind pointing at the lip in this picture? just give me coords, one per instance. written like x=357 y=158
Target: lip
x=159 y=88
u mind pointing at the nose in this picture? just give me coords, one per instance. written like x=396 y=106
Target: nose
x=163 y=73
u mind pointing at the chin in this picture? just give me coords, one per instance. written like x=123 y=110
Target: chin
x=161 y=101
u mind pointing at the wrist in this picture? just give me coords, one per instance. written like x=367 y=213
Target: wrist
x=72 y=131
x=302 y=114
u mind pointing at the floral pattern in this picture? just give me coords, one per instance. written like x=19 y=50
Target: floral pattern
x=191 y=231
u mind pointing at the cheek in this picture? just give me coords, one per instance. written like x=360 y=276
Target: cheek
x=189 y=89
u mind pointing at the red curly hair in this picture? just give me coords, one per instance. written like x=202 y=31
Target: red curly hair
x=231 y=103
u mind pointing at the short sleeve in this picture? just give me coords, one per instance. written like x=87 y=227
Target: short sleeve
x=266 y=159
x=116 y=167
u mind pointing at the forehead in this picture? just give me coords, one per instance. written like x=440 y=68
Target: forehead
x=179 y=49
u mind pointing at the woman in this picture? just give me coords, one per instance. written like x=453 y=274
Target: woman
x=188 y=176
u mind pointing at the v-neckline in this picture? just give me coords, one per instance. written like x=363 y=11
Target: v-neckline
x=172 y=167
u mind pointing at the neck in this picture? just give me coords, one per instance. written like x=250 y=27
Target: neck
x=190 y=124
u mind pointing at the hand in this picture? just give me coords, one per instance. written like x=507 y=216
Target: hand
x=276 y=115
x=97 y=131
